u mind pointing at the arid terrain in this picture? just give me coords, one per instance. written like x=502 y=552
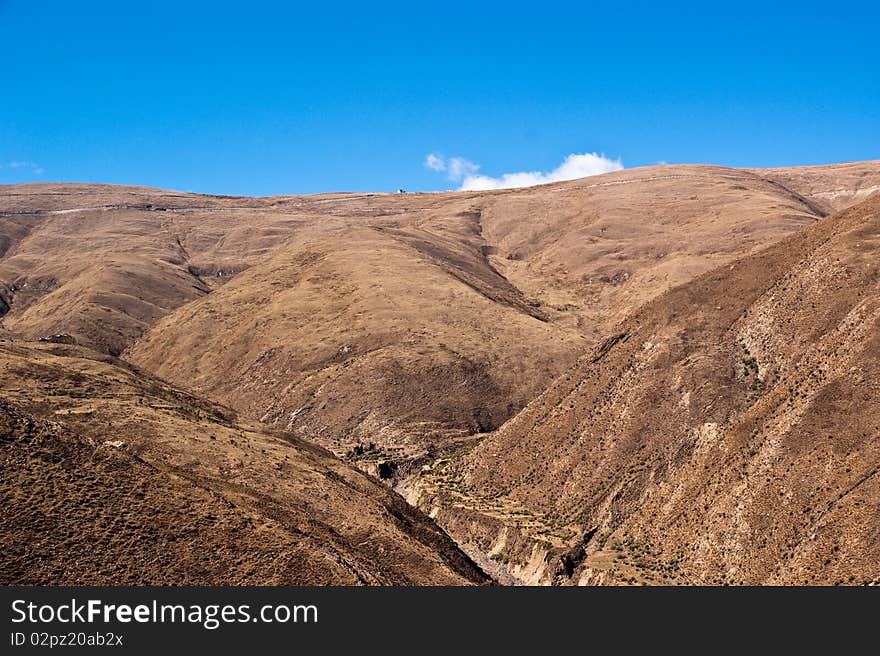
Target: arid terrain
x=658 y=375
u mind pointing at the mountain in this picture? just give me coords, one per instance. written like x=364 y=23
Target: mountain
x=544 y=371
x=335 y=316
x=728 y=432
x=342 y=339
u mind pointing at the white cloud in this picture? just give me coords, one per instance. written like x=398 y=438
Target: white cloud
x=435 y=162
x=18 y=164
x=459 y=168
x=456 y=168
x=576 y=165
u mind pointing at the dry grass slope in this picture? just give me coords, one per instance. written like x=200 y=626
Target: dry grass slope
x=727 y=433
x=110 y=476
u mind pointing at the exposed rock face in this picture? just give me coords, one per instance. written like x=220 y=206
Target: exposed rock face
x=62 y=338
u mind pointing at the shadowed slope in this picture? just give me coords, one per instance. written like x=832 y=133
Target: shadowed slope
x=367 y=335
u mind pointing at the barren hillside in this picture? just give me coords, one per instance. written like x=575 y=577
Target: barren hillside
x=343 y=309
x=342 y=335
x=833 y=187
x=109 y=477
x=655 y=375
x=727 y=432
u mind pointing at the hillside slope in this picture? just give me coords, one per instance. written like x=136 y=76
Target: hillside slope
x=727 y=432
x=832 y=187
x=109 y=476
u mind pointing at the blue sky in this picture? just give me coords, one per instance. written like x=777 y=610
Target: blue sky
x=281 y=97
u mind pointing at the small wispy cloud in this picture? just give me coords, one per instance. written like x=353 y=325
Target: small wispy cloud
x=576 y=165
x=460 y=168
x=456 y=168
x=19 y=164
x=435 y=162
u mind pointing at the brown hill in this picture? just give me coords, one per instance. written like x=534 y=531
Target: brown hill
x=343 y=336
x=832 y=187
x=398 y=330
x=727 y=432
x=109 y=476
